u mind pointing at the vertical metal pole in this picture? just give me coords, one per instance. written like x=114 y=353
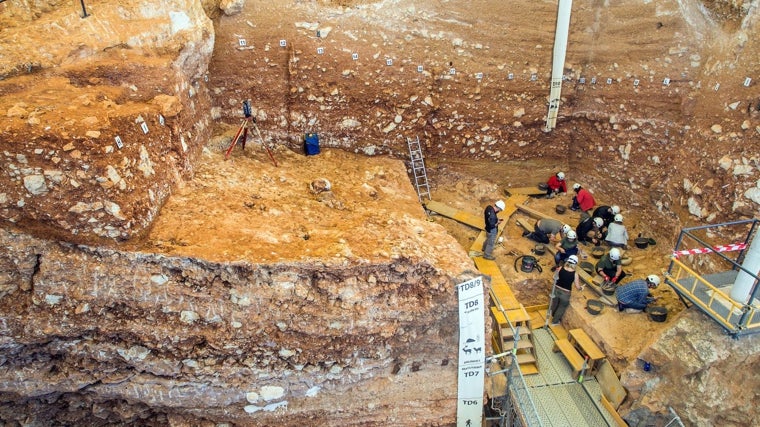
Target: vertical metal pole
x=84 y=10
x=558 y=65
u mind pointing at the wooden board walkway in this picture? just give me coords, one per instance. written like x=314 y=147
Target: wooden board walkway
x=525 y=191
x=475 y=221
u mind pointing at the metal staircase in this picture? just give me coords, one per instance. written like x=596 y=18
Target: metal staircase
x=418 y=168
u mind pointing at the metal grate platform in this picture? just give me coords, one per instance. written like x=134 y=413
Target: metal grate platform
x=560 y=400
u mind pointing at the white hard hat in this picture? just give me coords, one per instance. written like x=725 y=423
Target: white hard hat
x=500 y=204
x=615 y=209
x=598 y=221
x=571 y=235
x=614 y=254
x=576 y=186
x=560 y=176
x=653 y=279
x=573 y=259
x=618 y=218
x=566 y=229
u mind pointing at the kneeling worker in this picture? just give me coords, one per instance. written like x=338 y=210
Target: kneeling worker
x=633 y=297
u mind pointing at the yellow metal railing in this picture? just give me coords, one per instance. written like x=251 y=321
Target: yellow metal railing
x=681 y=273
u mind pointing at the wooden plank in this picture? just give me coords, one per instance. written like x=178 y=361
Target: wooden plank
x=517 y=317
x=559 y=331
x=587 y=345
x=525 y=191
x=571 y=354
x=610 y=300
x=476 y=221
x=613 y=413
x=536 y=214
x=523 y=358
x=529 y=368
x=610 y=384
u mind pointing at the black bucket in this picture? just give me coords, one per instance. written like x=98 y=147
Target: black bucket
x=528 y=264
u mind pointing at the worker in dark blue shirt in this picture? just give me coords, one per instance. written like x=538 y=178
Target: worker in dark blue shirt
x=492 y=227
x=633 y=297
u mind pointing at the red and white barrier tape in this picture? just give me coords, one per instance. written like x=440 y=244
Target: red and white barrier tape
x=718 y=248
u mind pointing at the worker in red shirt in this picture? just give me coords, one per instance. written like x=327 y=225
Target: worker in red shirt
x=582 y=201
x=556 y=185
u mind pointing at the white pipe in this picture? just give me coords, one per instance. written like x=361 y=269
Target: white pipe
x=558 y=64
x=744 y=282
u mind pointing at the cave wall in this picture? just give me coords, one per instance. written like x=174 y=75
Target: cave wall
x=142 y=337
x=70 y=85
x=685 y=140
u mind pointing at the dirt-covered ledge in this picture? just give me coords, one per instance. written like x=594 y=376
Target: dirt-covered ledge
x=148 y=336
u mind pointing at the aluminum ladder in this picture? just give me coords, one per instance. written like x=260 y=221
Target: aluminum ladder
x=418 y=168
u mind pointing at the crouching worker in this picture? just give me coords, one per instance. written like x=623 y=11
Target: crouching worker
x=633 y=297
x=610 y=267
x=556 y=185
x=565 y=248
x=547 y=229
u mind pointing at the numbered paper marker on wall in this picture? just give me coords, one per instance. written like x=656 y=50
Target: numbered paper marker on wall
x=666 y=81
x=510 y=76
x=636 y=83
x=320 y=50
x=582 y=80
x=389 y=62
x=144 y=127
x=747 y=82
x=283 y=43
x=242 y=42
x=354 y=56
x=533 y=77
x=609 y=81
x=119 y=143
x=161 y=120
x=452 y=71
x=479 y=76
x=420 y=68
x=593 y=80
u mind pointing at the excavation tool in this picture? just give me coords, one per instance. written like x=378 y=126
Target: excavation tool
x=242 y=133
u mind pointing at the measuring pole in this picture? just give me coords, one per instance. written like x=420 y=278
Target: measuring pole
x=558 y=64
x=84 y=10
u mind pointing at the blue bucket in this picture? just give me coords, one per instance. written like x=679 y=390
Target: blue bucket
x=311 y=144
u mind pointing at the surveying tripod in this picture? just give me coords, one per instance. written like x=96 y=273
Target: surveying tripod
x=242 y=133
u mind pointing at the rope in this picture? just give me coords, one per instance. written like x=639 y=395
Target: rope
x=719 y=248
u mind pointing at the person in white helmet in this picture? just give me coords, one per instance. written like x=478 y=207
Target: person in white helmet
x=582 y=201
x=589 y=230
x=564 y=280
x=492 y=227
x=556 y=185
x=606 y=213
x=633 y=297
x=610 y=267
x=617 y=234
x=546 y=230
x=565 y=247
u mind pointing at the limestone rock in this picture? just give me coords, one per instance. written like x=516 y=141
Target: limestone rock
x=170 y=105
x=35 y=184
x=231 y=7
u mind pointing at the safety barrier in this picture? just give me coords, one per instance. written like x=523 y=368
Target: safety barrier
x=704 y=275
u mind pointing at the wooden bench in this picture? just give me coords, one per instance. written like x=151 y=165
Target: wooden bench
x=571 y=354
x=587 y=347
